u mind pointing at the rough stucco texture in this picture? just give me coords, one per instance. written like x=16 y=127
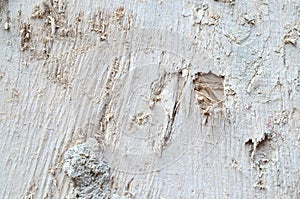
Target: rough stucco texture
x=149 y=99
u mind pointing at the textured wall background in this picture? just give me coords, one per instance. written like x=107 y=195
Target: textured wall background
x=154 y=99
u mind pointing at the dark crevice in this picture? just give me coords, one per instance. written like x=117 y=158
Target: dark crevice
x=171 y=122
x=170 y=126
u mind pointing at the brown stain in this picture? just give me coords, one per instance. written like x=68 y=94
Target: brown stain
x=209 y=90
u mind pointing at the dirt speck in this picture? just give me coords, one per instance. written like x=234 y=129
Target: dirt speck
x=119 y=13
x=2 y=74
x=25 y=30
x=231 y=2
x=31 y=191
x=3 y=5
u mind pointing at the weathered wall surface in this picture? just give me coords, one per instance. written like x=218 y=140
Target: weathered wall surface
x=149 y=99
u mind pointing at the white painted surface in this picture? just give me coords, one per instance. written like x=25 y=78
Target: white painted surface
x=93 y=82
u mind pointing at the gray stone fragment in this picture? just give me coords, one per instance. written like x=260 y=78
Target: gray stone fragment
x=90 y=174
